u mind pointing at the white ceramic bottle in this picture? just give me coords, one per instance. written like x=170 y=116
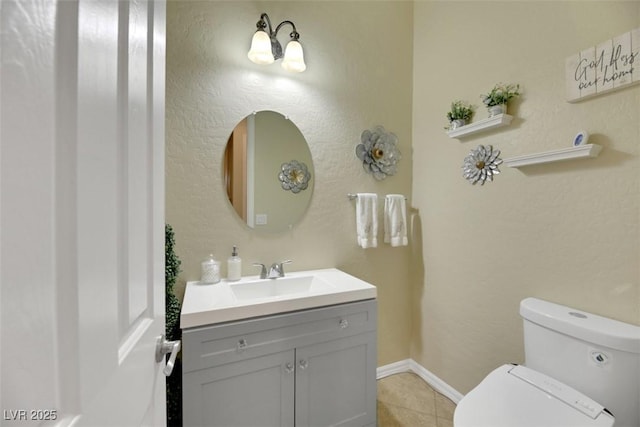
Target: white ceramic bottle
x=234 y=266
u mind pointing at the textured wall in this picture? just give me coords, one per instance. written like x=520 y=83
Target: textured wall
x=566 y=232
x=358 y=75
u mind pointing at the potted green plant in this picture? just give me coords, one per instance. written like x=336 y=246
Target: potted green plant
x=496 y=100
x=459 y=114
x=172 y=327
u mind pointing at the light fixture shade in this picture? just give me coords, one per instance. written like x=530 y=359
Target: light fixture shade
x=260 y=51
x=294 y=57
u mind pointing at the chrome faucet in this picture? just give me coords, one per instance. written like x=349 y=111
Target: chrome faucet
x=276 y=270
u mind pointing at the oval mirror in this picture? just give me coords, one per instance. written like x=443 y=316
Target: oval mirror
x=268 y=171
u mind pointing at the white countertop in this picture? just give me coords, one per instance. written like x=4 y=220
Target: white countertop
x=206 y=304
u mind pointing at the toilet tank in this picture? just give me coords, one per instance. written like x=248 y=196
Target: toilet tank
x=597 y=356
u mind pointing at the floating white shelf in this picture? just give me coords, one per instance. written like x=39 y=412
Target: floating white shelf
x=581 y=151
x=481 y=125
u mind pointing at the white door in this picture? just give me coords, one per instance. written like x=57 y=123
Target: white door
x=81 y=212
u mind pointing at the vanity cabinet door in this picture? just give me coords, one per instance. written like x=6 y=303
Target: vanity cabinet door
x=251 y=392
x=335 y=382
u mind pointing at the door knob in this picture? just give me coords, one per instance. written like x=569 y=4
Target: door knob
x=164 y=347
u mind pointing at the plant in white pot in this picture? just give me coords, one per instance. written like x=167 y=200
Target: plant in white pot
x=496 y=100
x=459 y=114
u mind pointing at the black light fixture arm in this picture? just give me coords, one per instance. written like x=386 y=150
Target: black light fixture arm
x=276 y=47
x=293 y=34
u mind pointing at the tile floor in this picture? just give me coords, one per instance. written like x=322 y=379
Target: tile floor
x=406 y=400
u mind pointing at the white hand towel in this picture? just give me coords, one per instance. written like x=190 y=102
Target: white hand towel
x=395 y=220
x=367 y=219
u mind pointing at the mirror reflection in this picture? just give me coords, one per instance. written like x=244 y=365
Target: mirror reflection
x=268 y=171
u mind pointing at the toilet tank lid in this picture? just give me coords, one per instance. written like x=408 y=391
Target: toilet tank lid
x=582 y=325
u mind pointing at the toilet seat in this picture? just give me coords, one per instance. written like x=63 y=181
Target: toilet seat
x=516 y=396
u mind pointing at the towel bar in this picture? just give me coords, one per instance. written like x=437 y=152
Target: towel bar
x=352 y=196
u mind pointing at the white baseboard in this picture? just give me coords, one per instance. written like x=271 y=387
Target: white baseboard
x=393 y=368
x=410 y=365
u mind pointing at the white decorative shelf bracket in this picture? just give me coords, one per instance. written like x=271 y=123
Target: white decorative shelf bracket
x=581 y=151
x=481 y=125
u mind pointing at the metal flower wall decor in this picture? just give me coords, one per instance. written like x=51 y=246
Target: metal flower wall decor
x=294 y=176
x=481 y=164
x=378 y=152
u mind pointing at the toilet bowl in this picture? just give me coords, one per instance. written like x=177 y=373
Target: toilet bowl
x=516 y=396
x=581 y=370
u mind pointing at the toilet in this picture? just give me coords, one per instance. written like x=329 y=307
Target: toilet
x=581 y=370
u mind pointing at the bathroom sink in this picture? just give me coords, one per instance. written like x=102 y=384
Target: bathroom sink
x=206 y=304
x=270 y=288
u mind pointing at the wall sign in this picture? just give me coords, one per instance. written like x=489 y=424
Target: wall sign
x=611 y=65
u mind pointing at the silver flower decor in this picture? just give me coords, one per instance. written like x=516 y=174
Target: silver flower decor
x=378 y=152
x=481 y=164
x=294 y=176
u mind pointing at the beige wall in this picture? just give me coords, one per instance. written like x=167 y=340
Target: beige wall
x=566 y=232
x=359 y=75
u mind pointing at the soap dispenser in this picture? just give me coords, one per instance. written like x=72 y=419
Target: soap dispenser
x=234 y=266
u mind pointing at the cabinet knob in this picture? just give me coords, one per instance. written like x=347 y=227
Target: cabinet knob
x=242 y=345
x=344 y=323
x=303 y=364
x=289 y=368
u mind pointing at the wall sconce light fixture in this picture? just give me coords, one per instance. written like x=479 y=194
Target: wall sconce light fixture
x=265 y=47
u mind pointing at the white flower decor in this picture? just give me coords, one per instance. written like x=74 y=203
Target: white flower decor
x=294 y=176
x=481 y=164
x=378 y=152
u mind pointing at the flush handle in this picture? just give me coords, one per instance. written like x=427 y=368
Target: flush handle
x=600 y=358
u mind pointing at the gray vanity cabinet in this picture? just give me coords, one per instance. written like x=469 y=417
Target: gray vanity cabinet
x=314 y=367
